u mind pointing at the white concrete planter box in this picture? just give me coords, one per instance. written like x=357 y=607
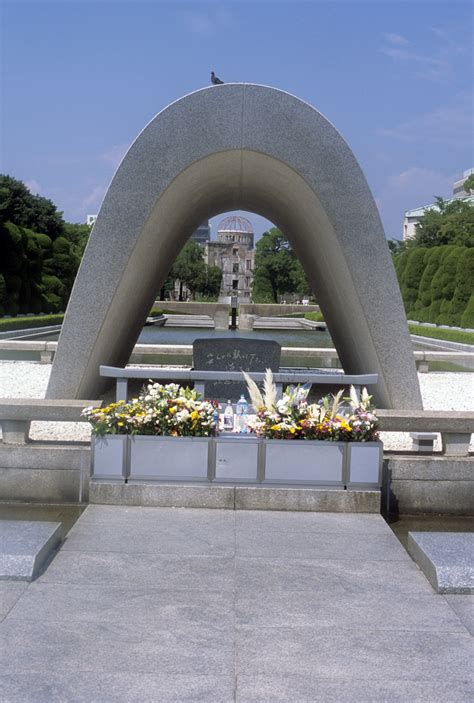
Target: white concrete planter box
x=168 y=458
x=304 y=461
x=110 y=457
x=316 y=462
x=237 y=459
x=234 y=459
x=364 y=464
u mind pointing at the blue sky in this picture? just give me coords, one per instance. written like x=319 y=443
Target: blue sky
x=80 y=79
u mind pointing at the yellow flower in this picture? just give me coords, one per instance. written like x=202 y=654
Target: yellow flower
x=120 y=424
x=292 y=430
x=194 y=415
x=173 y=410
x=275 y=427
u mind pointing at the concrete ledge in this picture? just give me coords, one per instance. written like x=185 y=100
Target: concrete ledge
x=235 y=497
x=442 y=497
x=44 y=473
x=306 y=499
x=45 y=409
x=445 y=558
x=432 y=468
x=45 y=455
x=162 y=495
x=43 y=486
x=458 y=422
x=26 y=547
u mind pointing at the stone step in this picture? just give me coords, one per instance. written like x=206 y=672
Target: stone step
x=235 y=497
x=26 y=547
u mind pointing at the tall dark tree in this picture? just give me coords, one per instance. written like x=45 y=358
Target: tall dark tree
x=34 y=212
x=278 y=271
x=450 y=222
x=193 y=273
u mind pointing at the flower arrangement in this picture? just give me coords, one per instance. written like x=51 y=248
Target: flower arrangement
x=159 y=410
x=292 y=417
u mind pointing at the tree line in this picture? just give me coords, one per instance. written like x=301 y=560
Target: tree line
x=435 y=268
x=39 y=251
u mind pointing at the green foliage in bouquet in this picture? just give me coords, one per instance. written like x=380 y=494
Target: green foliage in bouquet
x=292 y=417
x=169 y=410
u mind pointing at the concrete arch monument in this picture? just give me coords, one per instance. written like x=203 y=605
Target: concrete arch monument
x=229 y=147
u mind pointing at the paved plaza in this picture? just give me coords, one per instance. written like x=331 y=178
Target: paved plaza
x=163 y=604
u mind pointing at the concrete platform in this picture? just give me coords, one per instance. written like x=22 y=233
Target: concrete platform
x=166 y=604
x=446 y=559
x=235 y=497
x=26 y=547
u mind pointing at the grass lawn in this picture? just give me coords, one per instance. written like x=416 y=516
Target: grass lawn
x=24 y=323
x=448 y=335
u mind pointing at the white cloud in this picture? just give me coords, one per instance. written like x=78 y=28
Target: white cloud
x=428 y=67
x=93 y=200
x=198 y=22
x=448 y=124
x=33 y=186
x=437 y=64
x=411 y=188
x=207 y=23
x=114 y=155
x=396 y=39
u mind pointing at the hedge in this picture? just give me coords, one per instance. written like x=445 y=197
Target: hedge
x=448 y=335
x=437 y=284
x=23 y=323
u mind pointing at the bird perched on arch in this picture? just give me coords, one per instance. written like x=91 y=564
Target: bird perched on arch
x=215 y=80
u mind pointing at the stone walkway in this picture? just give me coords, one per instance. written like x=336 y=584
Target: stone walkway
x=162 y=604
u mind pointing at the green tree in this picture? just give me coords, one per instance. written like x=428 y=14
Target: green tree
x=277 y=269
x=411 y=277
x=449 y=222
x=443 y=283
x=467 y=319
x=78 y=235
x=431 y=264
x=34 y=212
x=193 y=273
x=469 y=183
x=463 y=288
x=396 y=246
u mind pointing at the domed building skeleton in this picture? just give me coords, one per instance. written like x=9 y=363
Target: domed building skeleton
x=234 y=254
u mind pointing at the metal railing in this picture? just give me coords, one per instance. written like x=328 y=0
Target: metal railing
x=47 y=350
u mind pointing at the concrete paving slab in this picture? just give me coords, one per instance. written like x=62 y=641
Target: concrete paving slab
x=120 y=687
x=130 y=606
x=423 y=656
x=26 y=547
x=463 y=606
x=261 y=689
x=10 y=591
x=132 y=516
x=148 y=570
x=446 y=559
x=326 y=575
x=391 y=611
x=318 y=545
x=145 y=604
x=175 y=532
x=335 y=523
x=33 y=646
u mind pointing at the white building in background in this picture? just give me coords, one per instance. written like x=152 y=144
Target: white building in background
x=412 y=217
x=202 y=234
x=90 y=220
x=458 y=186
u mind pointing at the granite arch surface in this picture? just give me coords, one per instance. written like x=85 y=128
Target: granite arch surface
x=229 y=147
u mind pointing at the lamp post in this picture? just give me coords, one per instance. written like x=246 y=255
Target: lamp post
x=234 y=304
